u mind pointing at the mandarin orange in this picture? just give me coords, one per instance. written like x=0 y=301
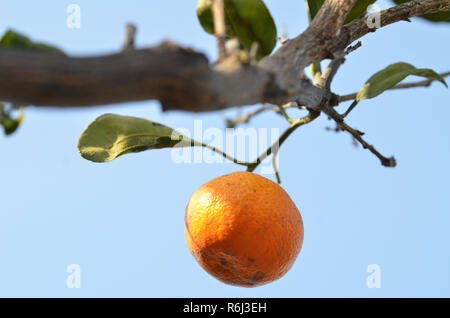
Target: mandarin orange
x=243 y=229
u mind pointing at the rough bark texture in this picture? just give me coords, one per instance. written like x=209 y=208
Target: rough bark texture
x=358 y=28
x=182 y=79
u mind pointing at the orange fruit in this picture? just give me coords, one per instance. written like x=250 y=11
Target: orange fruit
x=243 y=229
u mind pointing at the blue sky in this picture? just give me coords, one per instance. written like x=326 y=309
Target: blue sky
x=122 y=222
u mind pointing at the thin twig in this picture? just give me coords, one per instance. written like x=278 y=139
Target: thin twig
x=282 y=111
x=324 y=81
x=273 y=149
x=218 y=10
x=345 y=98
x=130 y=35
x=352 y=106
x=387 y=162
x=231 y=123
x=274 y=164
x=349 y=50
x=295 y=124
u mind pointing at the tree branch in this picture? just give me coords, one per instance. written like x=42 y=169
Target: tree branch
x=358 y=28
x=179 y=78
x=182 y=79
x=387 y=162
x=324 y=81
x=314 y=44
x=232 y=123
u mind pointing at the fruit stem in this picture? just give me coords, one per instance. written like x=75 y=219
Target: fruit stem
x=273 y=149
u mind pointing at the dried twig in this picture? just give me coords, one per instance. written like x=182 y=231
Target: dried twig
x=387 y=162
x=231 y=123
x=130 y=34
x=349 y=50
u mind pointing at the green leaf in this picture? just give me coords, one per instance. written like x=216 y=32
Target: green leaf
x=205 y=16
x=9 y=123
x=390 y=76
x=110 y=136
x=313 y=6
x=14 y=40
x=443 y=16
x=360 y=8
x=248 y=20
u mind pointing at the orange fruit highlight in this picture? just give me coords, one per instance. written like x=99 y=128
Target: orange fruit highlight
x=243 y=229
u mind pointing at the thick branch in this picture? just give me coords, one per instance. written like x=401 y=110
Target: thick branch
x=315 y=44
x=175 y=76
x=184 y=80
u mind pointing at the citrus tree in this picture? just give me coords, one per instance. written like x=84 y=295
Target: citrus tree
x=250 y=70
x=247 y=72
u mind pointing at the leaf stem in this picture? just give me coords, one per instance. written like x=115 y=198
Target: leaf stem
x=273 y=149
x=223 y=154
x=274 y=164
x=353 y=105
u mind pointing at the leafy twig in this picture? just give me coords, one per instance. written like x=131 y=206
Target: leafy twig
x=425 y=83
